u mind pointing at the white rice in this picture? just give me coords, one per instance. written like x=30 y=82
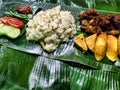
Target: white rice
x=52 y=27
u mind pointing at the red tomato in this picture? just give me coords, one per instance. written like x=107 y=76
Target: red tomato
x=15 y=23
x=12 y=22
x=0 y=20
x=5 y=19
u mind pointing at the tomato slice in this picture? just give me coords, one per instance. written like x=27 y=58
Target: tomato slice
x=5 y=19
x=12 y=22
x=0 y=20
x=15 y=23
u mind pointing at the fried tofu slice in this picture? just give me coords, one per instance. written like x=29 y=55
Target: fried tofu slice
x=90 y=41
x=112 y=48
x=100 y=46
x=80 y=42
x=118 y=45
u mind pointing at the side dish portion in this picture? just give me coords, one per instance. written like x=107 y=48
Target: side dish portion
x=9 y=31
x=102 y=34
x=51 y=27
x=100 y=45
x=24 y=9
x=10 y=27
x=92 y=22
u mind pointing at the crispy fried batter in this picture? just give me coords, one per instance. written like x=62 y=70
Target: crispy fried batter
x=100 y=46
x=90 y=41
x=118 y=41
x=112 y=50
x=80 y=42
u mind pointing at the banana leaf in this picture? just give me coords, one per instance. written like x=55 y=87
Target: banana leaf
x=82 y=79
x=66 y=51
x=89 y=60
x=15 y=68
x=22 y=71
x=109 y=5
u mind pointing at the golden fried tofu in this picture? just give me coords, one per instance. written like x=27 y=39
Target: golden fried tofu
x=90 y=41
x=112 y=48
x=80 y=42
x=100 y=46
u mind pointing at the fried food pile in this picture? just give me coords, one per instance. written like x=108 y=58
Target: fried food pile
x=92 y=22
x=103 y=34
x=101 y=45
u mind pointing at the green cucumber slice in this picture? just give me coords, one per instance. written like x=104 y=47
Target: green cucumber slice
x=9 y=31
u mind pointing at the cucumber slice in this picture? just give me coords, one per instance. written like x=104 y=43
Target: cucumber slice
x=9 y=31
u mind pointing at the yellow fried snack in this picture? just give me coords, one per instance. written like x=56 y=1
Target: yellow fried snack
x=100 y=46
x=118 y=45
x=90 y=41
x=80 y=42
x=42 y=44
x=111 y=52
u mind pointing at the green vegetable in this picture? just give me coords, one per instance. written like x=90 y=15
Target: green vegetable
x=9 y=31
x=22 y=31
x=23 y=17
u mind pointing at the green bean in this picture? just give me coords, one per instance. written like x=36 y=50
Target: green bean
x=20 y=16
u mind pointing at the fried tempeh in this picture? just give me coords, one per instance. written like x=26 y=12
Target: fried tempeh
x=112 y=49
x=100 y=46
x=90 y=41
x=80 y=42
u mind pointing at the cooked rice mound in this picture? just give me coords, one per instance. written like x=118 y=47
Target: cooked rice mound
x=52 y=27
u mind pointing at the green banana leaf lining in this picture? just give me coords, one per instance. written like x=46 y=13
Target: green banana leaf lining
x=24 y=65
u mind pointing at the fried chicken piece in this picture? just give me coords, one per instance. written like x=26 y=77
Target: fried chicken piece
x=93 y=29
x=88 y=14
x=92 y=22
x=116 y=21
x=103 y=22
